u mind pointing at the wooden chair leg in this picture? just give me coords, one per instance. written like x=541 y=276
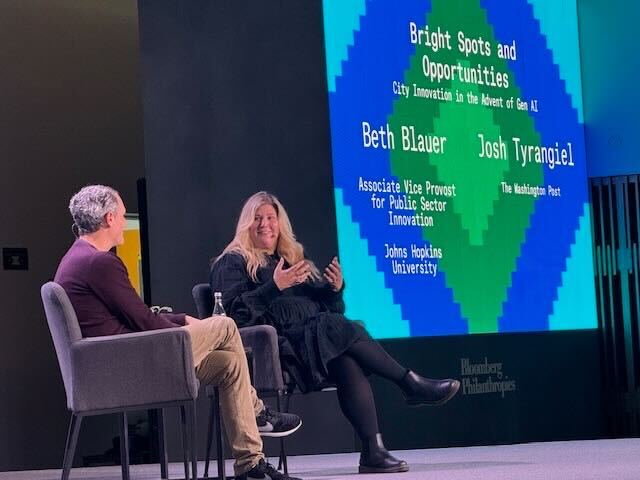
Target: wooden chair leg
x=185 y=441
x=70 y=445
x=124 y=445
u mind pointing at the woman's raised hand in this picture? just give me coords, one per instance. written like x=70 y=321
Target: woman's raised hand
x=294 y=275
x=333 y=274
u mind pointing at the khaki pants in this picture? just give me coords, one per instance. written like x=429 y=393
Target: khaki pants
x=220 y=360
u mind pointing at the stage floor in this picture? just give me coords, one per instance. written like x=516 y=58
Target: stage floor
x=577 y=460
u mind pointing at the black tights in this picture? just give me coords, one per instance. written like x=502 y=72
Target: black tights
x=354 y=391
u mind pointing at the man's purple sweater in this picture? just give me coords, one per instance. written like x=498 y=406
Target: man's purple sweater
x=102 y=295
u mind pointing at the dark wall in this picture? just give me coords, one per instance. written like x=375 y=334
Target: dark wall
x=235 y=101
x=70 y=115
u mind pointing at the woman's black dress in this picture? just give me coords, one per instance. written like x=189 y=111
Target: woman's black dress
x=309 y=317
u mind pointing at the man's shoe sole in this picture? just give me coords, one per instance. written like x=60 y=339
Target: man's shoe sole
x=420 y=403
x=280 y=434
x=398 y=469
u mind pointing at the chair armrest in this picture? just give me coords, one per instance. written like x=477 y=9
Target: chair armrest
x=132 y=369
x=267 y=370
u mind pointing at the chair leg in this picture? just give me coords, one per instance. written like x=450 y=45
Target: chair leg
x=282 y=460
x=287 y=397
x=70 y=446
x=278 y=407
x=212 y=407
x=194 y=445
x=218 y=428
x=162 y=441
x=124 y=445
x=185 y=442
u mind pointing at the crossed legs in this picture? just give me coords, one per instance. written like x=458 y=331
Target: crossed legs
x=219 y=359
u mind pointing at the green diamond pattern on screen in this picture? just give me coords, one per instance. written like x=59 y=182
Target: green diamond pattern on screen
x=481 y=229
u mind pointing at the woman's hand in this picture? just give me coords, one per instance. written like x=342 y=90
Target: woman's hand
x=294 y=275
x=333 y=275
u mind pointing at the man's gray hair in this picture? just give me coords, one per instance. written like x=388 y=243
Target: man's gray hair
x=89 y=206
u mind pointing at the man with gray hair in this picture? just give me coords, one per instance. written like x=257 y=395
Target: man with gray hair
x=106 y=303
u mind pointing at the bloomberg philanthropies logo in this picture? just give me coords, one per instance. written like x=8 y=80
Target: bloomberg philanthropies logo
x=484 y=377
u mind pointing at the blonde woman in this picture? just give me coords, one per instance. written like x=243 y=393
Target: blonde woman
x=265 y=278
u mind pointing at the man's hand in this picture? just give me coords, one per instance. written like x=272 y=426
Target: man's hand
x=333 y=275
x=294 y=275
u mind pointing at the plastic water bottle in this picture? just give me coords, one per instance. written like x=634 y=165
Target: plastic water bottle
x=218 y=309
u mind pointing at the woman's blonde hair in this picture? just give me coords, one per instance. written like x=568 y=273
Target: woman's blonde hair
x=287 y=247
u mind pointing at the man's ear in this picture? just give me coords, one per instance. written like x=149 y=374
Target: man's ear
x=108 y=219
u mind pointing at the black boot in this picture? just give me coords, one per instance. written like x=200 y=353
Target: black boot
x=376 y=459
x=419 y=390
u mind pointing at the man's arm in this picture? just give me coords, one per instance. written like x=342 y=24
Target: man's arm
x=110 y=282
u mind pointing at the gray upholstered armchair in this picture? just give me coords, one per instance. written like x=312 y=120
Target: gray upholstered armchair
x=121 y=373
